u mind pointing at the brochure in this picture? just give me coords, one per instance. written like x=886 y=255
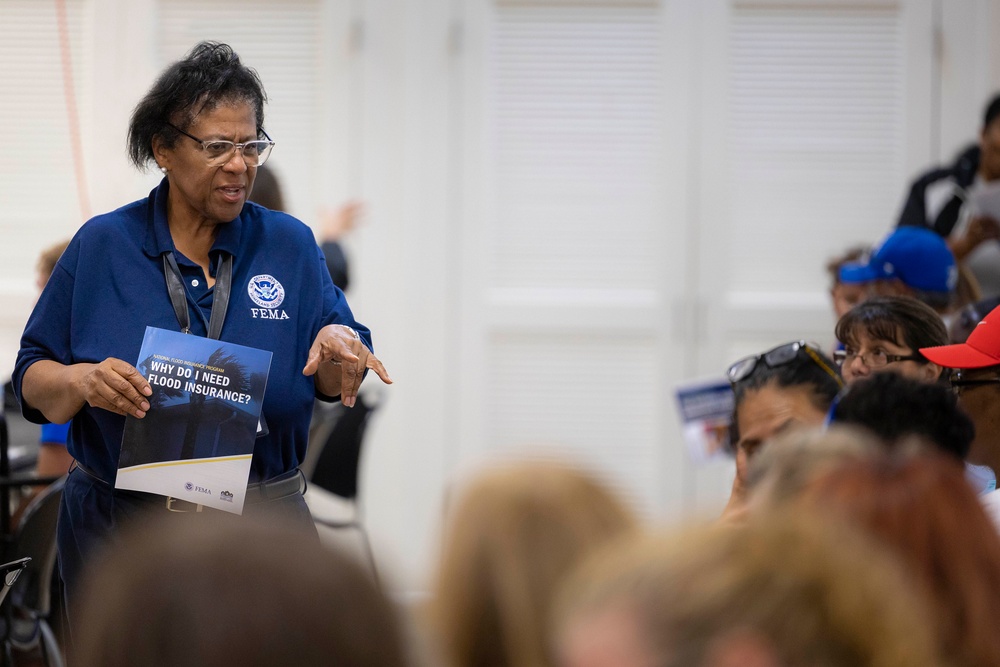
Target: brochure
x=706 y=411
x=197 y=438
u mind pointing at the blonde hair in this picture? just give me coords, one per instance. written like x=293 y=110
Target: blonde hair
x=814 y=591
x=790 y=461
x=515 y=532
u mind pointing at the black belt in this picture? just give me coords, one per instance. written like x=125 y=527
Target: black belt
x=283 y=486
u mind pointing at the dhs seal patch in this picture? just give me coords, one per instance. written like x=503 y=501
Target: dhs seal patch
x=266 y=291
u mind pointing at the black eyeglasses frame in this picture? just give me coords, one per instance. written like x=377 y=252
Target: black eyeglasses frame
x=779 y=356
x=840 y=356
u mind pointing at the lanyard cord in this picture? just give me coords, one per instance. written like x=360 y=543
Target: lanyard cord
x=178 y=295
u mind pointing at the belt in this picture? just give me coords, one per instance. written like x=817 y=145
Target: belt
x=283 y=486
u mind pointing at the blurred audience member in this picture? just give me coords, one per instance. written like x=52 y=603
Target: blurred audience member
x=962 y=204
x=975 y=379
x=961 y=326
x=791 y=385
x=885 y=334
x=47 y=263
x=792 y=460
x=896 y=408
x=53 y=457
x=922 y=507
x=513 y=534
x=783 y=589
x=211 y=592
x=910 y=261
x=335 y=224
x=842 y=295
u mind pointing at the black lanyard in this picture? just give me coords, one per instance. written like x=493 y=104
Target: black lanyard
x=178 y=294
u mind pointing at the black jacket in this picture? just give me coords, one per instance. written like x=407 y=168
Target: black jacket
x=960 y=175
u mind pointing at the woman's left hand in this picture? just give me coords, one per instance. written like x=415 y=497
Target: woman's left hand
x=338 y=358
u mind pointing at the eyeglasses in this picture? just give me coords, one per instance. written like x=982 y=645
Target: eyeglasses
x=219 y=151
x=876 y=359
x=958 y=382
x=780 y=356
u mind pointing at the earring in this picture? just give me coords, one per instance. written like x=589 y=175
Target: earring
x=163 y=169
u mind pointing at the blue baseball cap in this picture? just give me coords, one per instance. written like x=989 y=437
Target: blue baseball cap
x=917 y=256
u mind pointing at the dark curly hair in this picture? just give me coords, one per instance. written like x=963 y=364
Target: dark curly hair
x=210 y=75
x=894 y=407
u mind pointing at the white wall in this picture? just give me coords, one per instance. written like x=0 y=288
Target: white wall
x=572 y=206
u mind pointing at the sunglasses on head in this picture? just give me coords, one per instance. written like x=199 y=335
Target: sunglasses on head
x=780 y=356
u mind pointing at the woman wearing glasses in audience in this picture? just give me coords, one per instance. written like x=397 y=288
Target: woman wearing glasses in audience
x=167 y=261
x=885 y=334
x=790 y=386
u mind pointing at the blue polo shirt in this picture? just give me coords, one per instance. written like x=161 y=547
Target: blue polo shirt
x=109 y=286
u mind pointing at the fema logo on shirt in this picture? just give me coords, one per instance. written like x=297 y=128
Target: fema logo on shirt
x=266 y=292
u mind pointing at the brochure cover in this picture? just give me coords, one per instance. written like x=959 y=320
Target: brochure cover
x=196 y=441
x=706 y=410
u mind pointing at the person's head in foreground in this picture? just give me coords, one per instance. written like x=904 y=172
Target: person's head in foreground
x=885 y=334
x=224 y=592
x=789 y=386
x=782 y=589
x=910 y=261
x=896 y=408
x=792 y=460
x=514 y=532
x=925 y=510
x=975 y=378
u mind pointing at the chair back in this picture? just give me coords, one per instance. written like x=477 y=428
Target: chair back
x=334 y=455
x=35 y=536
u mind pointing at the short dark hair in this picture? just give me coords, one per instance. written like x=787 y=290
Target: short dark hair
x=803 y=371
x=992 y=111
x=267 y=190
x=210 y=75
x=900 y=319
x=895 y=407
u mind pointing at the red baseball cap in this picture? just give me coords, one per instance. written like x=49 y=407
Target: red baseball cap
x=982 y=348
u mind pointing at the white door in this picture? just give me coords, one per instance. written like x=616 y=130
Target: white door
x=653 y=190
x=574 y=240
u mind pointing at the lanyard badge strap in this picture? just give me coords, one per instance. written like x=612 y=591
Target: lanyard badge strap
x=178 y=295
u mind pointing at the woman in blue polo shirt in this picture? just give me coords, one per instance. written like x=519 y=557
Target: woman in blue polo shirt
x=202 y=125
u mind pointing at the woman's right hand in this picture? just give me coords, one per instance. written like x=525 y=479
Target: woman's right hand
x=114 y=385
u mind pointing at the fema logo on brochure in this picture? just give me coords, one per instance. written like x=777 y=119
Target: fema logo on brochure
x=227 y=496
x=189 y=486
x=266 y=291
